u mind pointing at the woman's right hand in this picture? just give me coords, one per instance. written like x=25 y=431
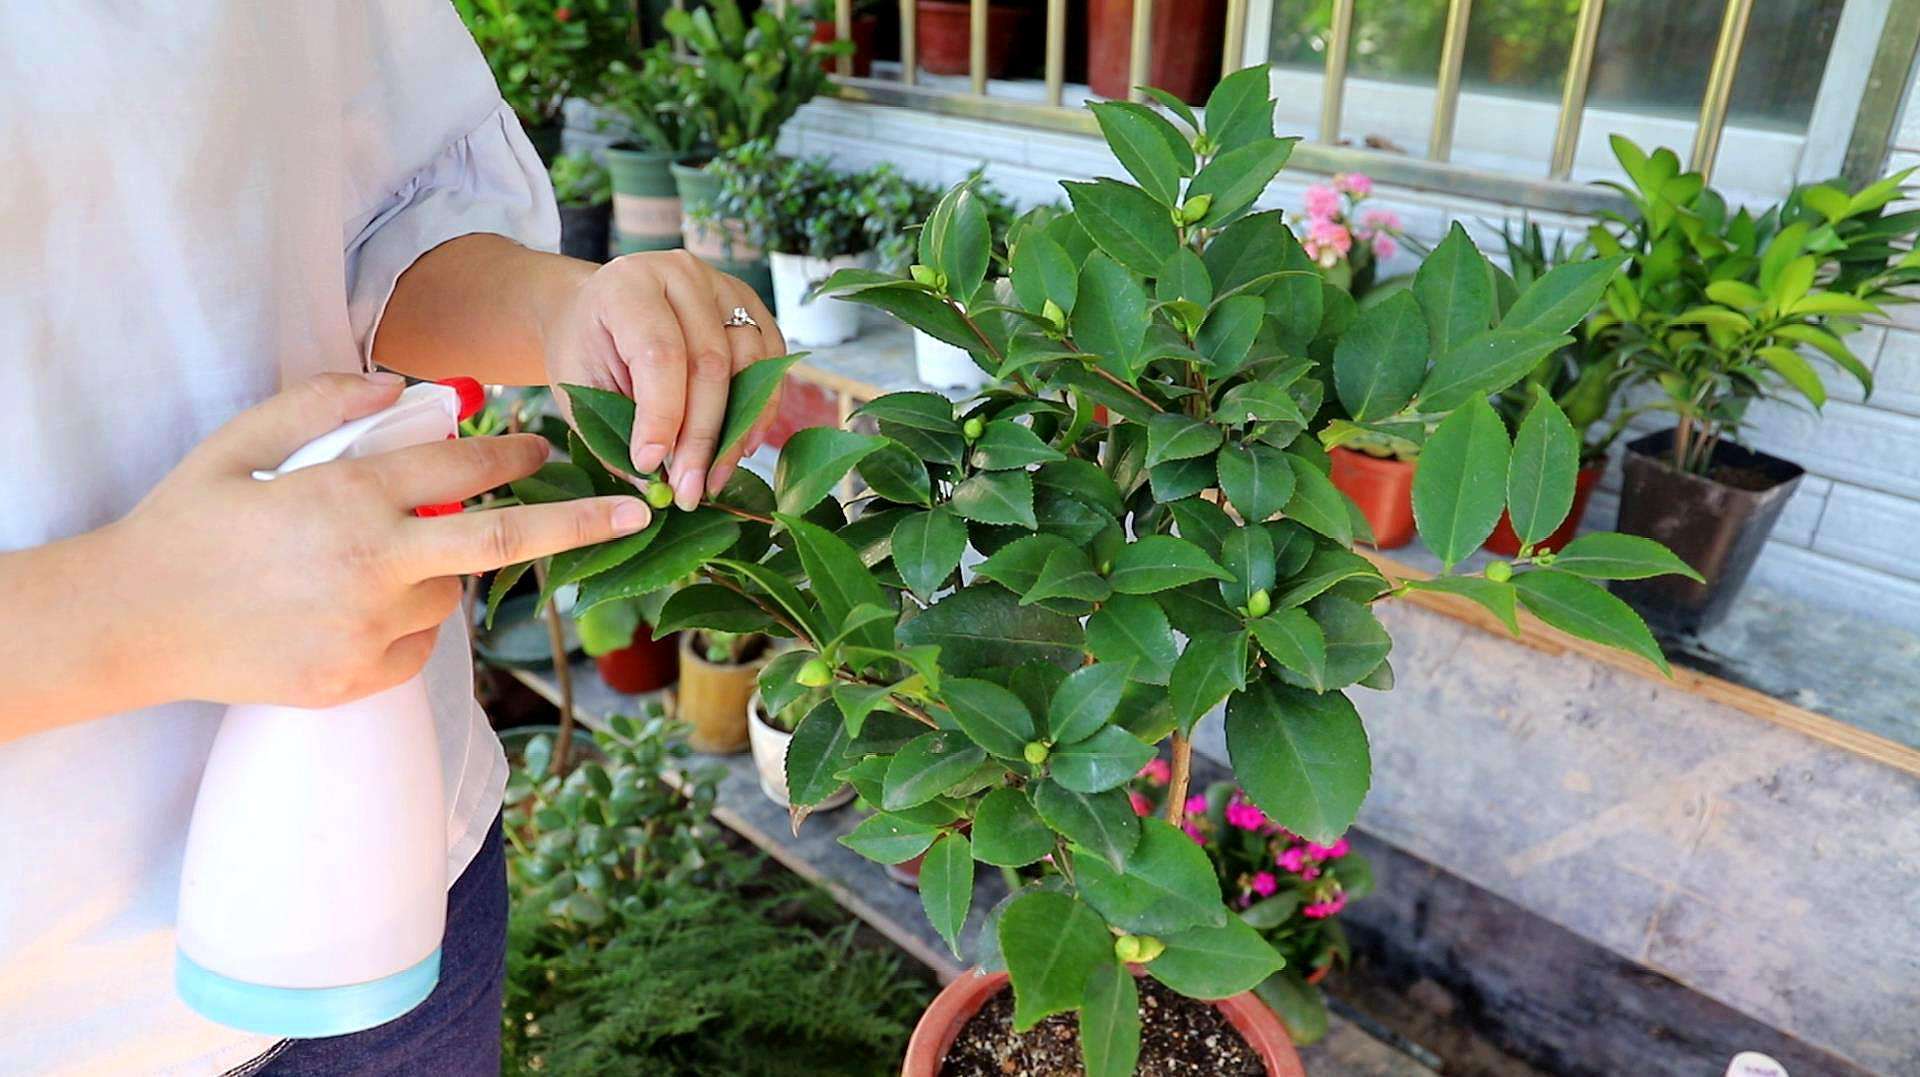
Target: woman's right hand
x=322 y=586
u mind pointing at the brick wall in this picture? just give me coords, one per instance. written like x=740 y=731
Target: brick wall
x=1843 y=540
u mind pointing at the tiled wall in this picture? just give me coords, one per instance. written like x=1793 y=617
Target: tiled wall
x=1846 y=539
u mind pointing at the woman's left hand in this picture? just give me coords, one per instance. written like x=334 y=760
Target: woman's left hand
x=654 y=326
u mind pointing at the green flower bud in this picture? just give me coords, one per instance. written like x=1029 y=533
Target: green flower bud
x=973 y=428
x=1035 y=752
x=1052 y=313
x=1195 y=208
x=924 y=274
x=659 y=494
x=1150 y=948
x=815 y=673
x=1127 y=948
x=1499 y=572
x=1260 y=603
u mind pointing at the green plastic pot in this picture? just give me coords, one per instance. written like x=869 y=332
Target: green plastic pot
x=722 y=244
x=646 y=201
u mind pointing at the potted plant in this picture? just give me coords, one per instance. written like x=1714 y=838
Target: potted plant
x=717 y=671
x=1721 y=309
x=1187 y=39
x=541 y=53
x=585 y=194
x=1580 y=377
x=866 y=32
x=651 y=97
x=1348 y=243
x=628 y=657
x=997 y=711
x=753 y=75
x=943 y=35
x=941 y=363
x=1288 y=888
x=811 y=219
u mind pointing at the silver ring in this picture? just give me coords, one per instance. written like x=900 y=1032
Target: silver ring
x=741 y=318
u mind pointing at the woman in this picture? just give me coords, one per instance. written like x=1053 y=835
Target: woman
x=219 y=216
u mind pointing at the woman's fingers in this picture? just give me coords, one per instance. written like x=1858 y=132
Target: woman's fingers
x=646 y=330
x=444 y=472
x=485 y=540
x=750 y=344
x=695 y=295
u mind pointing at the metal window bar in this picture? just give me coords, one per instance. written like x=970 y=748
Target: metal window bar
x=843 y=29
x=1056 y=51
x=1719 y=94
x=1333 y=87
x=1446 y=94
x=977 y=46
x=1573 y=94
x=909 y=42
x=1140 y=52
x=1234 y=44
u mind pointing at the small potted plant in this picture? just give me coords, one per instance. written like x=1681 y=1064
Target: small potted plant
x=717 y=672
x=811 y=219
x=585 y=193
x=1031 y=602
x=1581 y=379
x=866 y=32
x=650 y=96
x=542 y=53
x=1289 y=889
x=753 y=75
x=615 y=635
x=1347 y=242
x=1187 y=39
x=944 y=35
x=1722 y=309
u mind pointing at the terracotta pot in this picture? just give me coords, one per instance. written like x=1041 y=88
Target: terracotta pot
x=1187 y=38
x=865 y=29
x=645 y=665
x=1384 y=491
x=770 y=760
x=712 y=699
x=956 y=1004
x=1507 y=544
x=944 y=37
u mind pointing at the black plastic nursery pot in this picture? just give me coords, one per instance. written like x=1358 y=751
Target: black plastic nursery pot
x=584 y=231
x=721 y=244
x=1716 y=522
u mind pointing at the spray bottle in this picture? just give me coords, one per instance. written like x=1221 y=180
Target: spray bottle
x=314 y=892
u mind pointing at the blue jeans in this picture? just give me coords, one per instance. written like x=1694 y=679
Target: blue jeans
x=456 y=1031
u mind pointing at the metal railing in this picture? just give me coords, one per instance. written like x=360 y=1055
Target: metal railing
x=1435 y=171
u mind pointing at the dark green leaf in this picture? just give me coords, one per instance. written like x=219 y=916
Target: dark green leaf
x=1102 y=822
x=889 y=839
x=503 y=582
x=813 y=462
x=996 y=497
x=816 y=755
x=1325 y=567
x=946 y=887
x=1317 y=503
x=921 y=411
x=1213 y=666
x=1158 y=562
x=1294 y=639
x=905 y=300
x=983 y=626
x=896 y=473
x=928 y=766
x=1587 y=610
x=1043 y=270
x=1202 y=523
x=1168 y=885
x=1008 y=832
x=747 y=397
x=1240 y=109
x=1297 y=1003
x=1179 y=479
x=709 y=605
x=1484 y=364
x=687 y=541
x=1005 y=445
x=1084 y=482
x=1103 y=761
x=1229 y=332
x=1301 y=756
x=605 y=422
x=556 y=481
x=1067 y=575
x=1455 y=289
x=1356 y=642
x=994 y=717
x=1246 y=553
x=1546 y=457
x=782 y=591
x=1560 y=298
x=1235 y=178
x=840 y=581
x=857 y=701
x=927 y=547
x=1215 y=962
x=1459 y=484
x=1052 y=944
x=1085 y=701
x=1257 y=479
x=1184 y=277
x=1017 y=565
x=1110 y=317
x=1610 y=555
x=1149 y=147
x=1110 y=1022
x=1382 y=358
x=1133 y=628
x=1174 y=436
x=1125 y=222
x=1498 y=598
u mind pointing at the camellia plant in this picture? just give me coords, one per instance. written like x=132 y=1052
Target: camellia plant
x=1132 y=570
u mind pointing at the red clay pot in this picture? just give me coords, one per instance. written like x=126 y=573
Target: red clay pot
x=1187 y=38
x=865 y=29
x=1384 y=491
x=957 y=1002
x=944 y=37
x=1507 y=544
x=645 y=665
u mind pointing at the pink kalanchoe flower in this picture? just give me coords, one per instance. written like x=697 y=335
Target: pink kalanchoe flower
x=1264 y=884
x=1141 y=805
x=1379 y=220
x=1322 y=202
x=1331 y=234
x=1292 y=859
x=1338 y=849
x=1317 y=851
x=1319 y=910
x=1194 y=833
x=1357 y=184
x=1196 y=804
x=1310 y=873
x=1158 y=771
x=1383 y=245
x=1245 y=816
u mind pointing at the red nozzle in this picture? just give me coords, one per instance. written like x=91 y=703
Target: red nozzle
x=449 y=509
x=472 y=396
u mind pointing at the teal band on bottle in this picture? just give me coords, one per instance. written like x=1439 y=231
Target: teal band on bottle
x=303 y=1012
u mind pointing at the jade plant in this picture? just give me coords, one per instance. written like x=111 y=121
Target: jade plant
x=1154 y=535
x=1721 y=308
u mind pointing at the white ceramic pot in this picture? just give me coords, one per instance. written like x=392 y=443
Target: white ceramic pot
x=813 y=323
x=944 y=366
x=770 y=759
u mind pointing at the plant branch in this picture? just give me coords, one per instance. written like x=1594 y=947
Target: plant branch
x=741 y=513
x=1177 y=784
x=1122 y=385
x=779 y=618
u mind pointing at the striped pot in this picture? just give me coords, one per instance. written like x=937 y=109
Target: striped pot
x=722 y=244
x=646 y=205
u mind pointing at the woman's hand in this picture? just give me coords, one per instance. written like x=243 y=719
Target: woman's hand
x=654 y=326
x=321 y=586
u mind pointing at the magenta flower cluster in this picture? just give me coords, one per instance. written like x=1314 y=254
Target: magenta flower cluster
x=1335 y=222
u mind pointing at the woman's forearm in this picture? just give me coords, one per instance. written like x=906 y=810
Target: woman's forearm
x=478 y=306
